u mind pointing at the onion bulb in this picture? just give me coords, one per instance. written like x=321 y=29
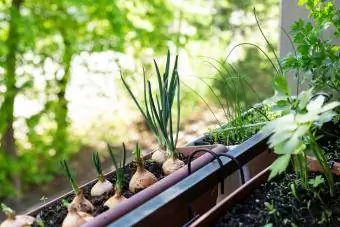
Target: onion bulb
x=81 y=204
x=159 y=156
x=114 y=200
x=171 y=165
x=102 y=186
x=74 y=218
x=85 y=215
x=13 y=220
x=142 y=177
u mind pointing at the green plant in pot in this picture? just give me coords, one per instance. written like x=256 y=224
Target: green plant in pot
x=293 y=136
x=157 y=111
x=317 y=53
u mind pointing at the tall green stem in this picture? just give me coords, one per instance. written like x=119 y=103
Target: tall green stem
x=7 y=108
x=303 y=168
x=320 y=156
x=61 y=136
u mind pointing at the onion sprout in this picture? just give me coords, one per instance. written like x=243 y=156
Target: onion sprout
x=102 y=186
x=15 y=220
x=79 y=202
x=8 y=211
x=98 y=166
x=70 y=178
x=139 y=159
x=119 y=168
x=158 y=118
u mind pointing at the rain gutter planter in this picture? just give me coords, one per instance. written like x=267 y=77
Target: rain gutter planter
x=253 y=152
x=209 y=218
x=186 y=192
x=140 y=197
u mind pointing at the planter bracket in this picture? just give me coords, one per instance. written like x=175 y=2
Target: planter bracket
x=191 y=214
x=238 y=165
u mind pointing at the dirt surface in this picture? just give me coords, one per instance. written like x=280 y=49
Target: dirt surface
x=304 y=210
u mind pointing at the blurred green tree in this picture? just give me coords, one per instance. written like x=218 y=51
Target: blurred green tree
x=57 y=31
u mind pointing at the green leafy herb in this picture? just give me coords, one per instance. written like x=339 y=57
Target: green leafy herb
x=315 y=182
x=279 y=165
x=318 y=54
x=293 y=135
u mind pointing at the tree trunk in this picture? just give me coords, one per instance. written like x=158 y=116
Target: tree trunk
x=61 y=136
x=7 y=108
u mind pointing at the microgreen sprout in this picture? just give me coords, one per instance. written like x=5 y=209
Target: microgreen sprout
x=43 y=199
x=293 y=134
x=272 y=211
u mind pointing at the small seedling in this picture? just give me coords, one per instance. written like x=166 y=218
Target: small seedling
x=272 y=211
x=293 y=189
x=317 y=181
x=43 y=199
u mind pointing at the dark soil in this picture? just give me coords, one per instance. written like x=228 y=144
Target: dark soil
x=304 y=210
x=275 y=203
x=54 y=215
x=330 y=141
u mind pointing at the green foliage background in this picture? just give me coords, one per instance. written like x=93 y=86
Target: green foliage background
x=34 y=32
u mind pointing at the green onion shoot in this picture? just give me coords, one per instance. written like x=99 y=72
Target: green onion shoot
x=118 y=197
x=167 y=85
x=80 y=203
x=103 y=185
